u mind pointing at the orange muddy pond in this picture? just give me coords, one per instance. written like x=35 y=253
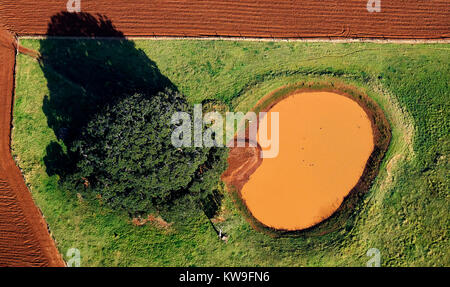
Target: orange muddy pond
x=325 y=142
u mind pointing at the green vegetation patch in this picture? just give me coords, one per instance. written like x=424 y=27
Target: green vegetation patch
x=404 y=215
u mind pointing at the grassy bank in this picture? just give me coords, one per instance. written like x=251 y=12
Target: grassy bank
x=404 y=215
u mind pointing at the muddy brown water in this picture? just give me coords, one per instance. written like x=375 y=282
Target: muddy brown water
x=24 y=238
x=325 y=142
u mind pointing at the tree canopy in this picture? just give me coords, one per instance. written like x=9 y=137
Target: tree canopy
x=125 y=155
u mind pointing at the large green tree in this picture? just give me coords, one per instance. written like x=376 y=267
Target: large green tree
x=125 y=155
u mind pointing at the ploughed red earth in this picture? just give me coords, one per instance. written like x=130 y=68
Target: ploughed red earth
x=24 y=238
x=408 y=19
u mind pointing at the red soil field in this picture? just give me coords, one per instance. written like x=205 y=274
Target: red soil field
x=24 y=238
x=398 y=19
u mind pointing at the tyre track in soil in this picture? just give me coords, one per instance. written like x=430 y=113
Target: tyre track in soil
x=24 y=236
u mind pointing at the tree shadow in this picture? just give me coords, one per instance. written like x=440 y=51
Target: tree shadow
x=88 y=64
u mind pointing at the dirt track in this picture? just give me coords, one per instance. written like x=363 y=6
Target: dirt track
x=399 y=19
x=24 y=239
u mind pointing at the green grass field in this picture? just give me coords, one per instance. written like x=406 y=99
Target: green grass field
x=405 y=214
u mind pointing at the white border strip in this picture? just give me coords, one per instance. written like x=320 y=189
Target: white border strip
x=349 y=40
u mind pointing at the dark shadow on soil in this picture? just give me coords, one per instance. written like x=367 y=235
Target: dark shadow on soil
x=85 y=74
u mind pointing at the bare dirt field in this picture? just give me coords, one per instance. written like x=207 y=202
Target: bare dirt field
x=24 y=239
x=400 y=19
